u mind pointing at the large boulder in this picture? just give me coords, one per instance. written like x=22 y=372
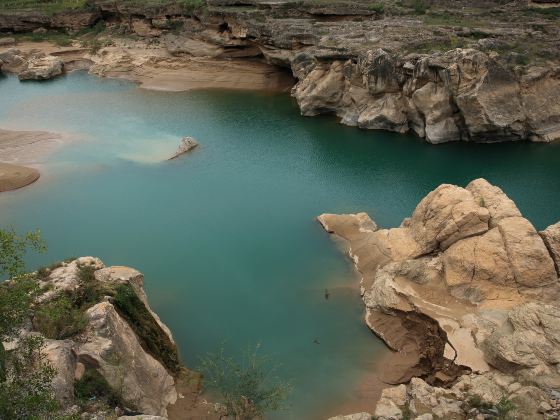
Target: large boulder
x=499 y=205
x=446 y=215
x=529 y=343
x=531 y=263
x=61 y=356
x=551 y=238
x=42 y=68
x=112 y=347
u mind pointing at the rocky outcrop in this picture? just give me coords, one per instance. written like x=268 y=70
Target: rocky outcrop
x=41 y=68
x=111 y=343
x=465 y=285
x=112 y=348
x=186 y=145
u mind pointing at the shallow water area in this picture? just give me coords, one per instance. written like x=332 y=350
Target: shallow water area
x=226 y=236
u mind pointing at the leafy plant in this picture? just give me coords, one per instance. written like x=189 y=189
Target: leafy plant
x=249 y=389
x=152 y=337
x=13 y=248
x=505 y=409
x=26 y=392
x=59 y=319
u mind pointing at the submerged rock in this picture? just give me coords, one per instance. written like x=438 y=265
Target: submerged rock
x=187 y=144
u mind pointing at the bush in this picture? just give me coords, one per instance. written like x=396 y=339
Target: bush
x=92 y=385
x=13 y=248
x=505 y=409
x=420 y=7
x=248 y=390
x=26 y=391
x=59 y=319
x=377 y=7
x=152 y=338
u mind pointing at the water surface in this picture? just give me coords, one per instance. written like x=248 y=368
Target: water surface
x=226 y=237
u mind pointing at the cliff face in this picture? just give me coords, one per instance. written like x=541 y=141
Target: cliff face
x=105 y=342
x=447 y=75
x=469 y=290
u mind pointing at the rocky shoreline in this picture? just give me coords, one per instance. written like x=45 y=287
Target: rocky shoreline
x=372 y=67
x=466 y=290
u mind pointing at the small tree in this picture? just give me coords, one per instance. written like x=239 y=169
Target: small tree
x=13 y=248
x=25 y=392
x=25 y=376
x=248 y=389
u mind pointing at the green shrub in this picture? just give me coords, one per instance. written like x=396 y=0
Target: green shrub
x=249 y=389
x=420 y=7
x=505 y=409
x=93 y=385
x=377 y=7
x=476 y=401
x=26 y=390
x=59 y=319
x=152 y=338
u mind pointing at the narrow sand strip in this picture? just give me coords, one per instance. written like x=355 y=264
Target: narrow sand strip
x=13 y=176
x=27 y=147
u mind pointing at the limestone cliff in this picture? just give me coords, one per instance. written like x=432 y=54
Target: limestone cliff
x=467 y=290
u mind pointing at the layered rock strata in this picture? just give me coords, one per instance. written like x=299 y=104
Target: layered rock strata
x=374 y=67
x=468 y=289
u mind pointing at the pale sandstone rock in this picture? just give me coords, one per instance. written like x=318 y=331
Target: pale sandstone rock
x=528 y=342
x=112 y=347
x=531 y=263
x=478 y=259
x=61 y=357
x=42 y=68
x=186 y=145
x=446 y=215
x=66 y=277
x=494 y=199
x=443 y=403
x=551 y=238
x=434 y=101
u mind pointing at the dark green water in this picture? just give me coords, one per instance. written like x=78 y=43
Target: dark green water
x=226 y=237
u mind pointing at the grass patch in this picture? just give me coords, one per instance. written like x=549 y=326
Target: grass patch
x=547 y=13
x=151 y=336
x=92 y=385
x=59 y=319
x=59 y=38
x=48 y=6
x=377 y=7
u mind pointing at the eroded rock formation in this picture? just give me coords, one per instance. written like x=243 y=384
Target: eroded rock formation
x=374 y=67
x=468 y=289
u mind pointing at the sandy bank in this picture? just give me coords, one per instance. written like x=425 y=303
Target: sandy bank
x=157 y=69
x=23 y=147
x=13 y=177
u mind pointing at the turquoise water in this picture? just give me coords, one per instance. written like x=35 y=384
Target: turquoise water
x=226 y=236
